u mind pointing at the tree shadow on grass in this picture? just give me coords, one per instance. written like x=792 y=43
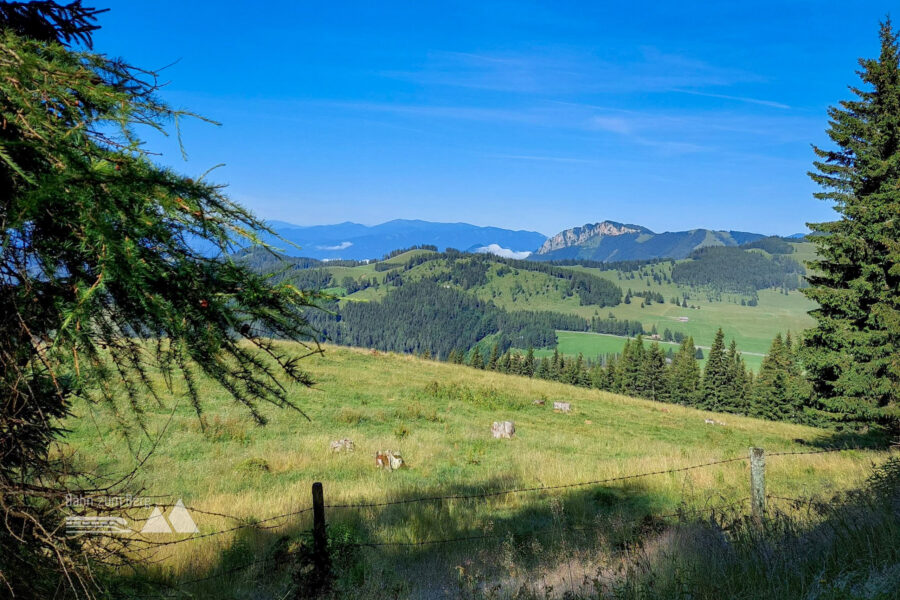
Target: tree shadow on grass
x=873 y=438
x=430 y=548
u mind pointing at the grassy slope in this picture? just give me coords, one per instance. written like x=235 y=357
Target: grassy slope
x=385 y=401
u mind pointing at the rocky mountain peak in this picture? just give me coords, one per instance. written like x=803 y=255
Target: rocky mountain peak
x=578 y=235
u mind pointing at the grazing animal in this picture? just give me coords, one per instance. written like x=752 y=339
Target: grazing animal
x=563 y=407
x=388 y=459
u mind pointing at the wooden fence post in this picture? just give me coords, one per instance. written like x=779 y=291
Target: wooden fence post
x=321 y=562
x=758 y=482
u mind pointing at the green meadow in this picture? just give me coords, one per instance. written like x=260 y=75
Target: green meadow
x=591 y=345
x=438 y=416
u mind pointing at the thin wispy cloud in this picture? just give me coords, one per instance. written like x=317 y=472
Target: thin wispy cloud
x=672 y=146
x=735 y=98
x=515 y=72
x=538 y=158
x=533 y=115
x=637 y=129
x=614 y=124
x=559 y=72
x=678 y=132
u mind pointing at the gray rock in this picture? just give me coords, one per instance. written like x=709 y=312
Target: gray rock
x=564 y=407
x=503 y=429
x=343 y=445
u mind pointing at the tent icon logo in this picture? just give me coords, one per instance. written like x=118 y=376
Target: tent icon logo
x=179 y=521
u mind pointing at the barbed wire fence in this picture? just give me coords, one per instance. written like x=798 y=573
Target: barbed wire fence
x=319 y=508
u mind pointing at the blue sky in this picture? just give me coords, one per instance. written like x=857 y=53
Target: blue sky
x=540 y=116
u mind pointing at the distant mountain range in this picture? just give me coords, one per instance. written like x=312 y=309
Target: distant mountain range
x=611 y=241
x=359 y=242
x=602 y=241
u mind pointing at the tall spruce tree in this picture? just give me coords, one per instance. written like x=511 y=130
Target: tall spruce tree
x=494 y=357
x=556 y=365
x=575 y=373
x=629 y=368
x=505 y=362
x=475 y=360
x=853 y=352
x=714 y=390
x=527 y=367
x=772 y=394
x=599 y=377
x=613 y=380
x=517 y=365
x=735 y=400
x=654 y=375
x=684 y=379
x=544 y=371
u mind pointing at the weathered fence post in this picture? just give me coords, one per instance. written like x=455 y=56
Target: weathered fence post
x=758 y=482
x=321 y=563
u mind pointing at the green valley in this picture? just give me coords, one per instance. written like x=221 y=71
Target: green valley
x=527 y=286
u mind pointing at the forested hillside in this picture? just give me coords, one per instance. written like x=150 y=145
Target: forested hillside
x=424 y=317
x=521 y=303
x=729 y=269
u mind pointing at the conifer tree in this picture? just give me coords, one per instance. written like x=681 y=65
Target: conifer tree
x=685 y=374
x=613 y=377
x=716 y=384
x=599 y=376
x=851 y=352
x=554 y=365
x=543 y=370
x=629 y=368
x=735 y=399
x=516 y=364
x=494 y=357
x=528 y=363
x=772 y=398
x=654 y=375
x=576 y=374
x=475 y=360
x=505 y=362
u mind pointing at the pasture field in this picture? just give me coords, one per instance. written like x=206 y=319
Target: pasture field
x=439 y=416
x=591 y=345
